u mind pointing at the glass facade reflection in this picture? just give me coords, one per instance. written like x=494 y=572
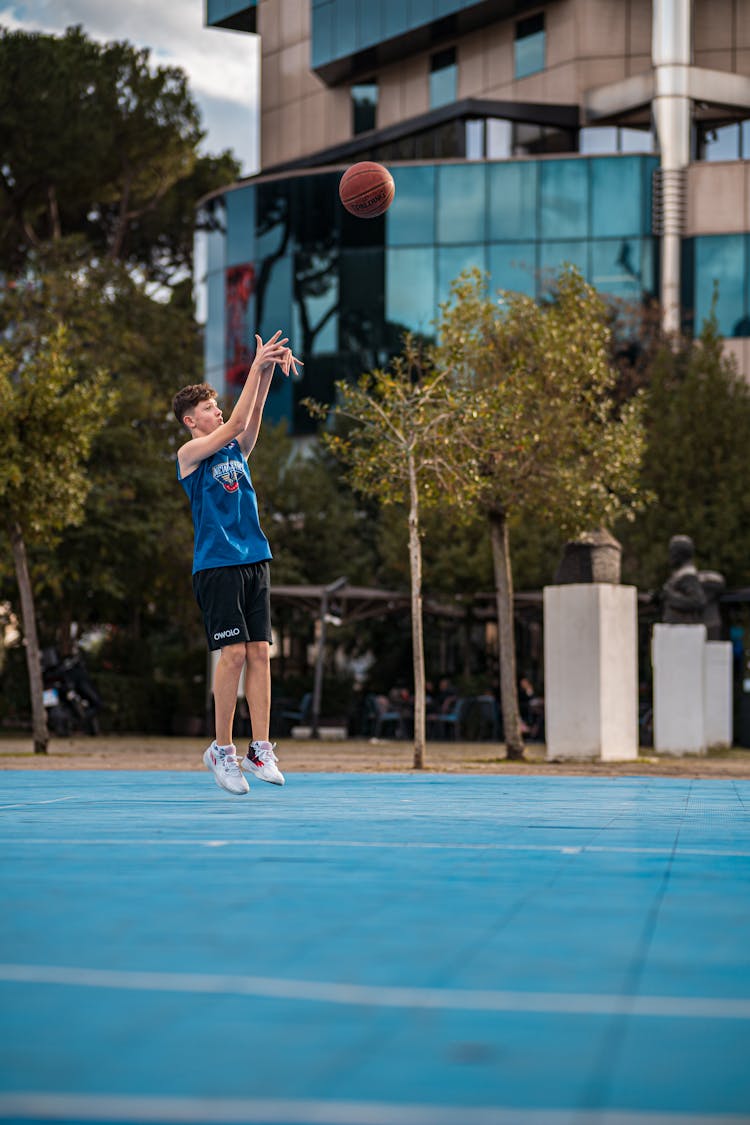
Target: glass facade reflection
x=284 y=254
x=443 y=78
x=364 y=107
x=237 y=15
x=730 y=141
x=719 y=271
x=461 y=199
x=343 y=27
x=564 y=199
x=512 y=200
x=529 y=46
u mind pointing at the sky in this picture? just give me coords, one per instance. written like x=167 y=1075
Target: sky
x=222 y=66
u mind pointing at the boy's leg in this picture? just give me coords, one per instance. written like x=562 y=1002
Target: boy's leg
x=226 y=682
x=261 y=759
x=257 y=655
x=216 y=591
x=221 y=756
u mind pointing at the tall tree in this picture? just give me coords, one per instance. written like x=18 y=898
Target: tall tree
x=99 y=179
x=127 y=556
x=542 y=437
x=95 y=141
x=317 y=529
x=48 y=419
x=696 y=462
x=398 y=450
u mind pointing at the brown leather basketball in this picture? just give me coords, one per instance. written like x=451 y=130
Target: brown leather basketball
x=366 y=189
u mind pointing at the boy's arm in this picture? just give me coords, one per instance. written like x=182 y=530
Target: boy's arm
x=249 y=435
x=266 y=356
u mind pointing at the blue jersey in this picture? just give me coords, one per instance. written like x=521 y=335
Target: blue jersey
x=225 y=511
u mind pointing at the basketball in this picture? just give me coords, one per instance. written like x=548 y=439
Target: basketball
x=366 y=189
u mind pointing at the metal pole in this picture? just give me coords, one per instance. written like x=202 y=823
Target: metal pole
x=320 y=656
x=671 y=51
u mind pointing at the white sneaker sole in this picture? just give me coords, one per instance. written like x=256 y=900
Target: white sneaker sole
x=256 y=771
x=209 y=765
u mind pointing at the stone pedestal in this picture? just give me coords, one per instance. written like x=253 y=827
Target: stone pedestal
x=717 y=684
x=591 y=671
x=678 y=654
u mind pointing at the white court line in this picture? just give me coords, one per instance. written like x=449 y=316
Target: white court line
x=382 y=996
x=51 y=801
x=399 y=845
x=292 y=1111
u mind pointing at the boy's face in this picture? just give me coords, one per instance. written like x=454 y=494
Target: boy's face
x=204 y=418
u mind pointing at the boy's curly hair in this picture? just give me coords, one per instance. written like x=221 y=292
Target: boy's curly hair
x=184 y=401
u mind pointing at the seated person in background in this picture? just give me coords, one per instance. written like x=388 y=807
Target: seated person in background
x=445 y=696
x=525 y=696
x=400 y=699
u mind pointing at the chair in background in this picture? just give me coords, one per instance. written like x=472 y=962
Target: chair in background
x=389 y=722
x=370 y=715
x=450 y=724
x=301 y=716
x=486 y=719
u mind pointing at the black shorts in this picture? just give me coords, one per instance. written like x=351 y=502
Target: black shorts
x=235 y=602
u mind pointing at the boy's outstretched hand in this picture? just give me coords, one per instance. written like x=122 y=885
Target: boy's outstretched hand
x=270 y=353
x=275 y=351
x=289 y=363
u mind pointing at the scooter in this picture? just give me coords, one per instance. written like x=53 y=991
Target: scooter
x=71 y=700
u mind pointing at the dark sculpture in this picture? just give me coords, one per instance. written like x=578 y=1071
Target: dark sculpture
x=690 y=596
x=593 y=557
x=713 y=585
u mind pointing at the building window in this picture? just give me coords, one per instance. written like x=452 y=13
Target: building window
x=364 y=106
x=597 y=140
x=721 y=260
x=443 y=78
x=475 y=139
x=724 y=142
x=530 y=139
x=636 y=140
x=499 y=138
x=529 y=46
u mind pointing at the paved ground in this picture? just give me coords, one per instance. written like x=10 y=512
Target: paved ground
x=374 y=949
x=150 y=753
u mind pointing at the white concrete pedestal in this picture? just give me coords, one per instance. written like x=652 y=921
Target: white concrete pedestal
x=678 y=653
x=591 y=671
x=717 y=694
x=692 y=690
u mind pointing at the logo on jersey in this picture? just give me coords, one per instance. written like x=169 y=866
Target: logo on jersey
x=228 y=474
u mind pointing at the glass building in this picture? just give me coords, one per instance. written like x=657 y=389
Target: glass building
x=284 y=253
x=507 y=153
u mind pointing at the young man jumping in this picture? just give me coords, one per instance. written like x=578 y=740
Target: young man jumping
x=230 y=561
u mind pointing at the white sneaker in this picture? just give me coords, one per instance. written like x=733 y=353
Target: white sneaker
x=226 y=769
x=261 y=761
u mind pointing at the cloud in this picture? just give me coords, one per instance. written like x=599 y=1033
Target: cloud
x=222 y=66
x=230 y=126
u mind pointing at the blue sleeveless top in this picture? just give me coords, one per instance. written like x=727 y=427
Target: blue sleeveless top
x=225 y=511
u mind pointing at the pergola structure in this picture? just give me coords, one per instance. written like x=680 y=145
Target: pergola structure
x=343 y=604
x=357 y=603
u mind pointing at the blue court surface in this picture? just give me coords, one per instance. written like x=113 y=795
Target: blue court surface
x=374 y=949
